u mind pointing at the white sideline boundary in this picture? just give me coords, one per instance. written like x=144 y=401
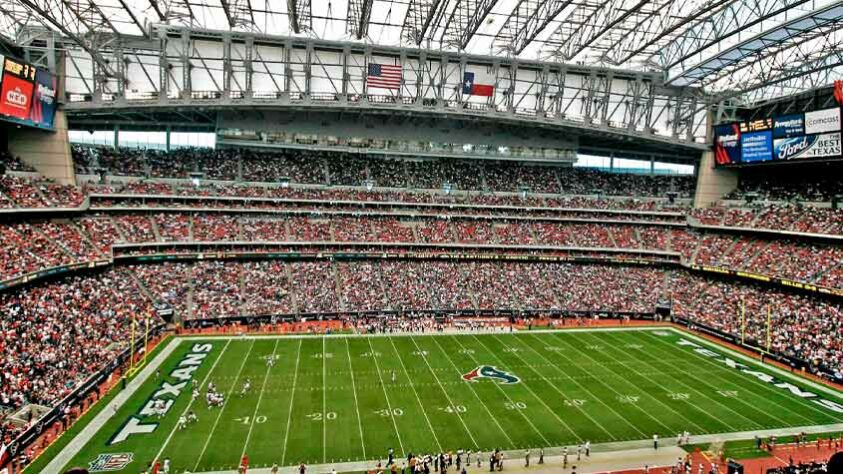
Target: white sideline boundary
x=94 y=426
x=614 y=451
x=80 y=440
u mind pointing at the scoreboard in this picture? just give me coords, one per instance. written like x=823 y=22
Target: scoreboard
x=786 y=138
x=27 y=94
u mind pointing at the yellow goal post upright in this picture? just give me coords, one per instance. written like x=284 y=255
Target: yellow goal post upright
x=133 y=366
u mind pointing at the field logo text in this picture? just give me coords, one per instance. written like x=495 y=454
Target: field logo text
x=490 y=372
x=167 y=393
x=764 y=377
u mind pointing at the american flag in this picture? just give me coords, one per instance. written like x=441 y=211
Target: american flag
x=384 y=76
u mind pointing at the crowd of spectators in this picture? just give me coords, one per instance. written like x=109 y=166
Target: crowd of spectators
x=25 y=192
x=815 y=183
x=55 y=335
x=329 y=168
x=153 y=193
x=40 y=244
x=802 y=327
x=787 y=217
x=220 y=289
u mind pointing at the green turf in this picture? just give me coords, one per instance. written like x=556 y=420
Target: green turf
x=333 y=399
x=60 y=442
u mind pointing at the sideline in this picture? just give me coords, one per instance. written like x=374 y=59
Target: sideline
x=77 y=443
x=617 y=454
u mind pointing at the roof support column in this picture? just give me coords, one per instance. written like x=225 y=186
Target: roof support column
x=440 y=87
x=186 y=82
x=308 y=71
x=346 y=77
x=120 y=68
x=606 y=83
x=163 y=67
x=420 y=75
x=247 y=65
x=227 y=71
x=288 y=71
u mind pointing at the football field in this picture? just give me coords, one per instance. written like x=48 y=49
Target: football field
x=340 y=398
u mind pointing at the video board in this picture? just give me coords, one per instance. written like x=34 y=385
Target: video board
x=27 y=94
x=787 y=138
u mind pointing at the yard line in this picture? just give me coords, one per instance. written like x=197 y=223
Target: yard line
x=388 y=405
x=260 y=397
x=644 y=392
x=413 y=386
x=611 y=436
x=324 y=402
x=599 y=399
x=488 y=411
x=189 y=404
x=700 y=392
x=219 y=415
x=292 y=397
x=535 y=395
x=611 y=388
x=529 y=422
x=751 y=380
x=447 y=397
x=356 y=405
x=691 y=406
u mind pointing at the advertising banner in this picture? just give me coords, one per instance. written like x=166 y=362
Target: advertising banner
x=756 y=147
x=822 y=121
x=788 y=126
x=727 y=149
x=826 y=145
x=44 y=99
x=16 y=89
x=757 y=125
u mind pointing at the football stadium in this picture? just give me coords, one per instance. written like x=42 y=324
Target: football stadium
x=421 y=236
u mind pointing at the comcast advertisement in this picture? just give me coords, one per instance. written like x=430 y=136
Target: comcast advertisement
x=789 y=138
x=27 y=94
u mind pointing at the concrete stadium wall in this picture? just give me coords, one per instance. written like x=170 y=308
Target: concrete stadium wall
x=395 y=128
x=47 y=152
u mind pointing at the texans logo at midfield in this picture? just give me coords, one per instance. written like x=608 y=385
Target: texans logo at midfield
x=490 y=372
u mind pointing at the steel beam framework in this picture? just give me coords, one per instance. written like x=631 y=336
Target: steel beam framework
x=527 y=20
x=465 y=19
x=697 y=43
x=182 y=67
x=817 y=26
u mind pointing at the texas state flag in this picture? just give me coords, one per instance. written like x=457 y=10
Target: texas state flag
x=470 y=87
